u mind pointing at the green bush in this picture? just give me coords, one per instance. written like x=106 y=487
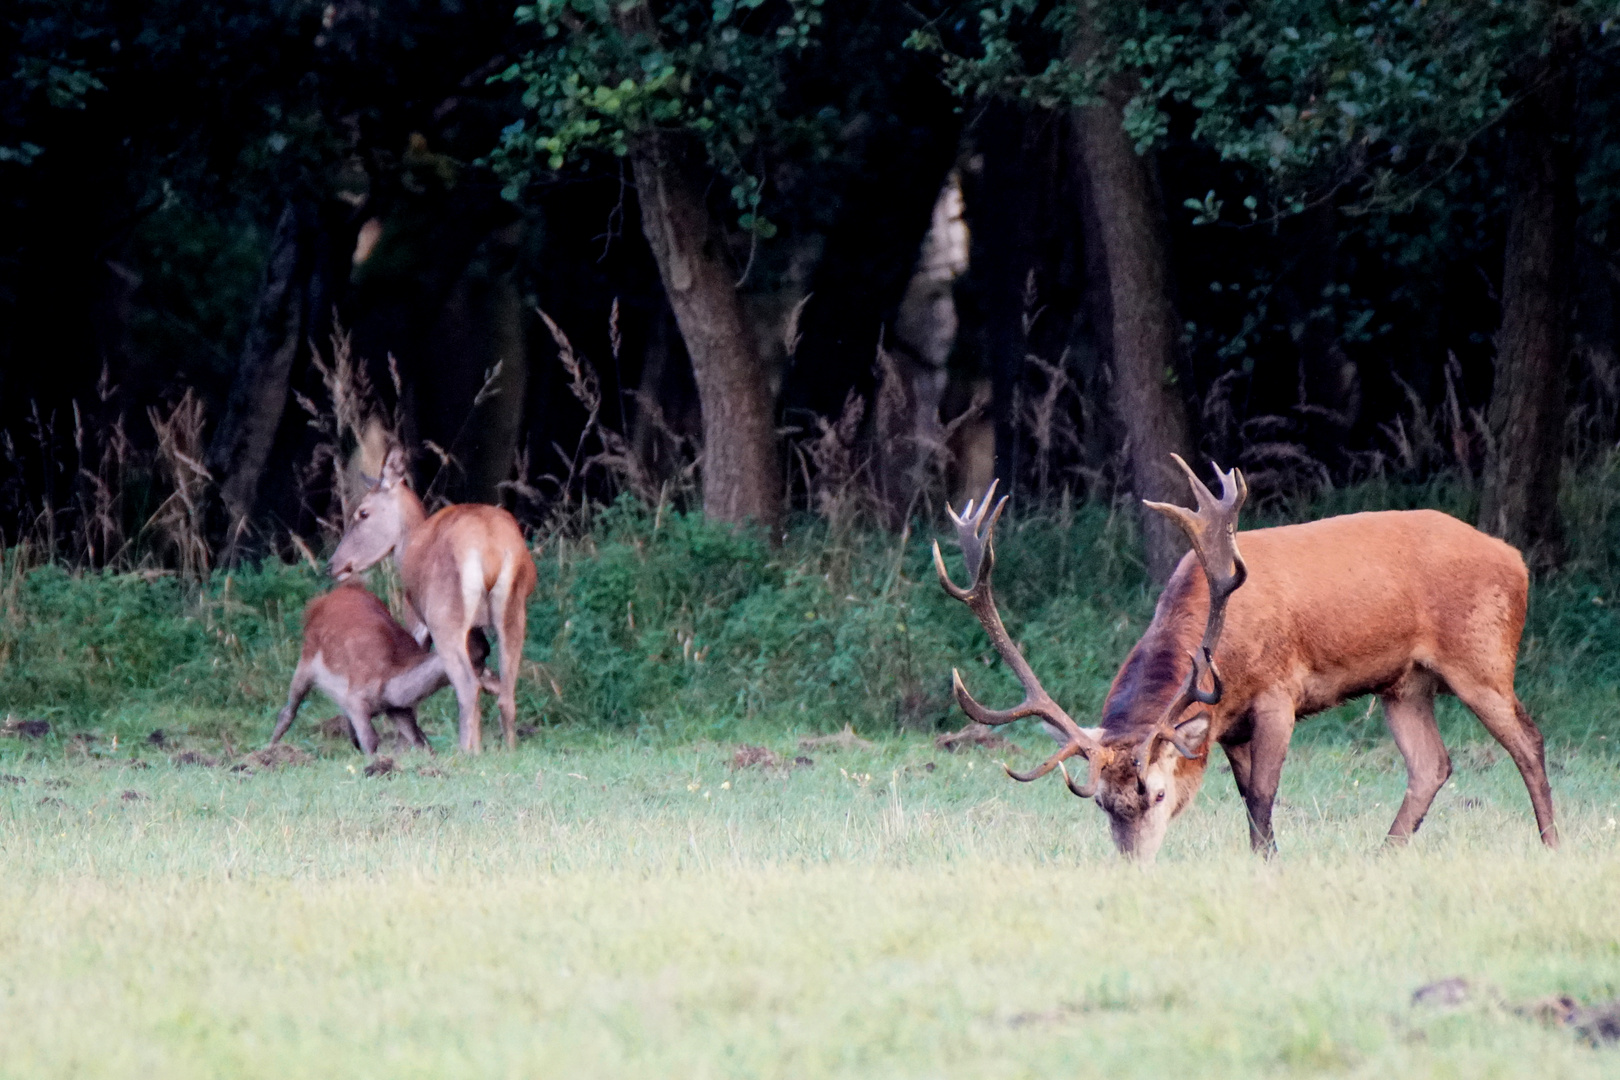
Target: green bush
x=661 y=624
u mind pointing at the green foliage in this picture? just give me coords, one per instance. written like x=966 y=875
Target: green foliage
x=663 y=624
x=607 y=74
x=1311 y=93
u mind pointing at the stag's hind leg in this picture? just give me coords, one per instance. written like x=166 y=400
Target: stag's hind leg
x=1409 y=712
x=1506 y=718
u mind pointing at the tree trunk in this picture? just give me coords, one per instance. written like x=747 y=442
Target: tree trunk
x=741 y=479
x=1519 y=502
x=1145 y=332
x=279 y=330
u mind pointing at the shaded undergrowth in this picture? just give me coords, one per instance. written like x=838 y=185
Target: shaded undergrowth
x=656 y=623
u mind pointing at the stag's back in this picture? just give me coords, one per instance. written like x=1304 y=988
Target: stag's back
x=1350 y=604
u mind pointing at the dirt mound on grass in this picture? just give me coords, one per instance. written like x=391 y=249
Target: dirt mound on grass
x=277 y=756
x=844 y=740
x=976 y=736
x=760 y=757
x=15 y=727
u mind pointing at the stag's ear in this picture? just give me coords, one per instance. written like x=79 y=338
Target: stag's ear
x=393 y=470
x=1191 y=736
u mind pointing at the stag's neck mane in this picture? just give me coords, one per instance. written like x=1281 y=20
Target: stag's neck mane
x=1152 y=673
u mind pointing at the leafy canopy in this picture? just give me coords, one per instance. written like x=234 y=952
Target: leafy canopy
x=1313 y=94
x=715 y=71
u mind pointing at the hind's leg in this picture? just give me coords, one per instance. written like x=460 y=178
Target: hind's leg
x=512 y=623
x=1409 y=712
x=1505 y=717
x=302 y=680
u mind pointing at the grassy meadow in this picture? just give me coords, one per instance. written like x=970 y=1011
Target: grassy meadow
x=619 y=898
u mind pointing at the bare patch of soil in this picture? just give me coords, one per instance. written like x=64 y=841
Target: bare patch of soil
x=7 y=778
x=1598 y=1024
x=194 y=757
x=844 y=740
x=278 y=756
x=760 y=757
x=334 y=727
x=755 y=757
x=15 y=727
x=132 y=796
x=977 y=737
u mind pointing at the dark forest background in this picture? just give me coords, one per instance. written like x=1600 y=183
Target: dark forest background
x=775 y=257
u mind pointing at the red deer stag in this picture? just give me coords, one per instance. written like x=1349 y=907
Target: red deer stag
x=465 y=567
x=1403 y=604
x=357 y=655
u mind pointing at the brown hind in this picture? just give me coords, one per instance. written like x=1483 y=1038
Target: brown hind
x=466 y=566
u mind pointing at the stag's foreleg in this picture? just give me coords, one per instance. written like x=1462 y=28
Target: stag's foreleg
x=1409 y=712
x=303 y=679
x=1267 y=749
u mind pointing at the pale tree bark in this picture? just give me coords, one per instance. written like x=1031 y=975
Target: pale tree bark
x=1144 y=332
x=741 y=476
x=1519 y=501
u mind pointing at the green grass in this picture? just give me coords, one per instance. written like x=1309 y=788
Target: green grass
x=613 y=908
x=613 y=900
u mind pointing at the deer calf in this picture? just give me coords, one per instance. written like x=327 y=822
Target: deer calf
x=359 y=656
x=467 y=566
x=1402 y=604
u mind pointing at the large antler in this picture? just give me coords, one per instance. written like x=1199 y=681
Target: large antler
x=973 y=530
x=1213 y=532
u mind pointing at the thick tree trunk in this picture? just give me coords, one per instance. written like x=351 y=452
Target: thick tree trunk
x=1145 y=332
x=1519 y=502
x=279 y=330
x=741 y=478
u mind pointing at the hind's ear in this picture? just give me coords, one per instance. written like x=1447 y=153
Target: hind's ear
x=394 y=469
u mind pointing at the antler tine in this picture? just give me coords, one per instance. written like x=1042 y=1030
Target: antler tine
x=1212 y=529
x=1089 y=788
x=975 y=529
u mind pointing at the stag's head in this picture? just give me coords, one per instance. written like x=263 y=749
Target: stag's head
x=1141 y=776
x=378 y=524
